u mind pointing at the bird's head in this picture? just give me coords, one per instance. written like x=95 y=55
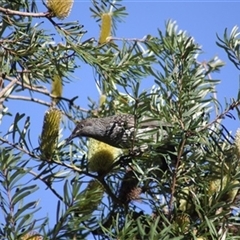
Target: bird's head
x=84 y=128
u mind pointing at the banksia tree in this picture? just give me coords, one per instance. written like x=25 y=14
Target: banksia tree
x=155 y=163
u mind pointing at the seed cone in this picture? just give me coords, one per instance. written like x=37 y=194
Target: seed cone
x=49 y=136
x=60 y=8
x=129 y=190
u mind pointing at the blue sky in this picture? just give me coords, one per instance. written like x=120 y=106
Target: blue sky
x=201 y=19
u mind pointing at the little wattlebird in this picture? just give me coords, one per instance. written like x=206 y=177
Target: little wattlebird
x=120 y=131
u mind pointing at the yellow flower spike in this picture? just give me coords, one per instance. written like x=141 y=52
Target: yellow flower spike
x=91 y=197
x=60 y=8
x=56 y=87
x=230 y=196
x=49 y=136
x=216 y=185
x=106 y=26
x=101 y=156
x=237 y=142
x=185 y=204
x=182 y=223
x=102 y=100
x=31 y=236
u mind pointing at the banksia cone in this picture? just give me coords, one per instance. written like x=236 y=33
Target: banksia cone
x=237 y=142
x=216 y=185
x=106 y=26
x=129 y=190
x=231 y=194
x=49 y=136
x=182 y=223
x=91 y=197
x=31 y=236
x=60 y=8
x=184 y=199
x=56 y=87
x=102 y=100
x=101 y=156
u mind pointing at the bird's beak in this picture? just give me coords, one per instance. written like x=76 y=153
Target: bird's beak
x=68 y=140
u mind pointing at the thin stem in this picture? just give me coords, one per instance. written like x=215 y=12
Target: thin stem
x=47 y=184
x=174 y=179
x=24 y=14
x=31 y=99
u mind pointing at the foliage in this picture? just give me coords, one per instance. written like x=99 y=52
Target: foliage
x=189 y=181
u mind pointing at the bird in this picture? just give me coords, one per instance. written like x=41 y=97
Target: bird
x=120 y=130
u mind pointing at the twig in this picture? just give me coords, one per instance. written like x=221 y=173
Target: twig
x=24 y=14
x=109 y=191
x=231 y=107
x=4 y=90
x=31 y=99
x=14 y=145
x=46 y=183
x=174 y=179
x=209 y=77
x=44 y=91
x=127 y=39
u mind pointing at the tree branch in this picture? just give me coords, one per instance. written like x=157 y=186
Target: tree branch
x=31 y=99
x=44 y=91
x=24 y=14
x=14 y=145
x=47 y=184
x=221 y=116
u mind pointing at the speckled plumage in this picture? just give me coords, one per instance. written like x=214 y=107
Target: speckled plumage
x=117 y=130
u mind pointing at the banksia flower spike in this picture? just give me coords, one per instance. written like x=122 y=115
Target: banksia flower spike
x=237 y=142
x=56 y=87
x=106 y=26
x=91 y=197
x=49 y=136
x=101 y=156
x=31 y=236
x=60 y=8
x=182 y=223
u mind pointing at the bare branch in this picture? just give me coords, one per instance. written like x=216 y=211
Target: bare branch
x=31 y=99
x=47 y=184
x=4 y=90
x=14 y=145
x=221 y=116
x=44 y=91
x=24 y=14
